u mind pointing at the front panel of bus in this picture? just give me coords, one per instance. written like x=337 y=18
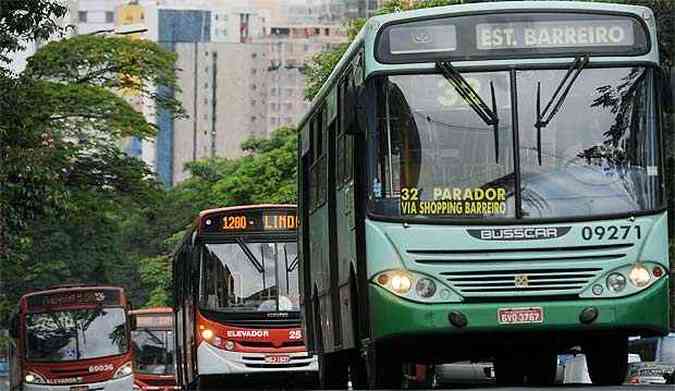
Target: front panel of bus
x=538 y=205
x=76 y=339
x=248 y=317
x=154 y=351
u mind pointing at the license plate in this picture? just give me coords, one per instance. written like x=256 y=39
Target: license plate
x=520 y=315
x=277 y=359
x=79 y=388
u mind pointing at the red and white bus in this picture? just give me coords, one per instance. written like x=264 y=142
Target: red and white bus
x=237 y=296
x=72 y=338
x=154 y=353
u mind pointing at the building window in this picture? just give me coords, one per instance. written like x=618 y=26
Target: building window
x=254 y=87
x=109 y=17
x=253 y=102
x=326 y=32
x=253 y=118
x=254 y=55
x=288 y=106
x=82 y=16
x=253 y=71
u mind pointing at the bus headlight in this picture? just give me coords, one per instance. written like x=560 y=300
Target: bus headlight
x=416 y=286
x=425 y=287
x=639 y=275
x=125 y=370
x=34 y=378
x=207 y=334
x=616 y=282
x=401 y=283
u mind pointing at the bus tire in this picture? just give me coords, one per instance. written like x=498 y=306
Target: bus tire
x=541 y=369
x=358 y=374
x=509 y=370
x=607 y=360
x=333 y=371
x=385 y=370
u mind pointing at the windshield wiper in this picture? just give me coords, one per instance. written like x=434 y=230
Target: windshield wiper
x=558 y=97
x=249 y=254
x=473 y=99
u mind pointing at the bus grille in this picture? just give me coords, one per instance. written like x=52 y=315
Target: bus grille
x=568 y=280
x=522 y=271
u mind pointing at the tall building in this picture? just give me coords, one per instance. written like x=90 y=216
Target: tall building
x=239 y=66
x=340 y=11
x=223 y=91
x=289 y=48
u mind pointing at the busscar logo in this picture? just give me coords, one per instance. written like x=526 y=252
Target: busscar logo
x=521 y=281
x=519 y=233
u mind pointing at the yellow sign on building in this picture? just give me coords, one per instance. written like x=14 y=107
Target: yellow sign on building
x=130 y=16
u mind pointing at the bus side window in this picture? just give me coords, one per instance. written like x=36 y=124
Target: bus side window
x=340 y=151
x=318 y=172
x=323 y=182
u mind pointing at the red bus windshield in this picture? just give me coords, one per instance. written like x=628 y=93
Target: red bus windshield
x=250 y=277
x=154 y=351
x=77 y=334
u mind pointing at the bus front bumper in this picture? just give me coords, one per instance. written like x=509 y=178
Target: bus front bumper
x=214 y=361
x=646 y=312
x=122 y=384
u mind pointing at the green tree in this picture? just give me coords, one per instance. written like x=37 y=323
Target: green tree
x=66 y=186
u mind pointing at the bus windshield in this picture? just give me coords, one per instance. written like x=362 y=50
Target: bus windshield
x=76 y=334
x=598 y=154
x=153 y=351
x=250 y=277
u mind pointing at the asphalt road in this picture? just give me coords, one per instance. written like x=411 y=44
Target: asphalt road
x=566 y=387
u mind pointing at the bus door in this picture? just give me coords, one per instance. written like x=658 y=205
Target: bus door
x=345 y=214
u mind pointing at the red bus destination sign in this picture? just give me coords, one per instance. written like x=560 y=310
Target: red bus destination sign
x=250 y=221
x=154 y=321
x=74 y=297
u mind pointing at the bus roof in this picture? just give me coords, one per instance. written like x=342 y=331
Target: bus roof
x=64 y=288
x=368 y=34
x=152 y=311
x=511 y=6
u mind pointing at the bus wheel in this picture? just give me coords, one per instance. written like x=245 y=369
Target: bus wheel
x=333 y=371
x=358 y=375
x=385 y=370
x=541 y=368
x=607 y=360
x=509 y=370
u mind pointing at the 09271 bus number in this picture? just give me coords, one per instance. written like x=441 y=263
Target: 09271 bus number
x=610 y=232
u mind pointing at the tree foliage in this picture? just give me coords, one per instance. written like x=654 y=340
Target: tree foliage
x=67 y=191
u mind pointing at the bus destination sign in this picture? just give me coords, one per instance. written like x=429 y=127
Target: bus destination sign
x=154 y=321
x=512 y=35
x=251 y=221
x=556 y=34
x=75 y=297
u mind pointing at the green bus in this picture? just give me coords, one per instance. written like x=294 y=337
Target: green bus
x=485 y=182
